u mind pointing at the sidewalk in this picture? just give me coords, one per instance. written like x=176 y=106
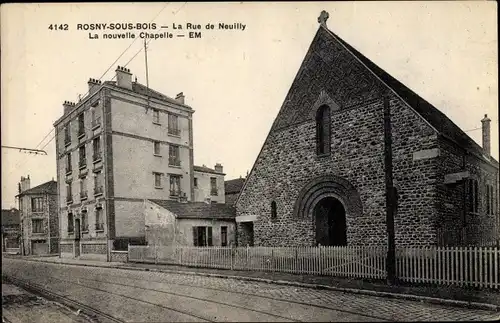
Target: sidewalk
x=450 y=295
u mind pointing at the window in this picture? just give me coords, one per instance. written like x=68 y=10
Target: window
x=68 y=163
x=323 y=130
x=213 y=186
x=473 y=197
x=195 y=182
x=96 y=120
x=156 y=116
x=274 y=214
x=81 y=124
x=98 y=185
x=67 y=134
x=83 y=156
x=157 y=148
x=37 y=204
x=85 y=222
x=96 y=147
x=173 y=124
x=157 y=180
x=202 y=236
x=37 y=226
x=99 y=223
x=71 y=225
x=490 y=200
x=223 y=236
x=175 y=185
x=69 y=194
x=173 y=156
x=83 y=188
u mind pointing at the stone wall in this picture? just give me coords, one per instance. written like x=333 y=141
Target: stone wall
x=119 y=256
x=66 y=247
x=415 y=154
x=288 y=160
x=93 y=248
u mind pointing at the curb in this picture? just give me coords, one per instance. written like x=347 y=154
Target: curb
x=427 y=299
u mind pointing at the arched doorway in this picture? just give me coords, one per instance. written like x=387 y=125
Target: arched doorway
x=330 y=219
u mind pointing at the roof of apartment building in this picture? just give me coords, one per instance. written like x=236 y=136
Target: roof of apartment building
x=233 y=186
x=198 y=210
x=144 y=90
x=48 y=187
x=205 y=169
x=10 y=217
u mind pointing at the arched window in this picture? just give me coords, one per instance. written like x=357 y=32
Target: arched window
x=273 y=210
x=323 y=130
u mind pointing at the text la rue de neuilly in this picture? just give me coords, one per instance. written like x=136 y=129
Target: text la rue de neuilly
x=177 y=27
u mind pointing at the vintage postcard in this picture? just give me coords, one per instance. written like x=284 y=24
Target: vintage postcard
x=250 y=161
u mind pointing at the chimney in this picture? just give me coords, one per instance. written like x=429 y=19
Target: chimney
x=486 y=134
x=25 y=183
x=93 y=85
x=68 y=106
x=180 y=98
x=123 y=78
x=218 y=168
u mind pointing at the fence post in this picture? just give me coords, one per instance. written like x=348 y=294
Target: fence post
x=232 y=257
x=128 y=251
x=247 y=256
x=272 y=260
x=156 y=254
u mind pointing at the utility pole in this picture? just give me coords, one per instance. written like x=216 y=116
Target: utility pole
x=31 y=151
x=390 y=193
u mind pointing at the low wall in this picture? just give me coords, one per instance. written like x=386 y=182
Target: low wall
x=93 y=256
x=119 y=256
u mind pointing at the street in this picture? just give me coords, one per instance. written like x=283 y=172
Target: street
x=141 y=296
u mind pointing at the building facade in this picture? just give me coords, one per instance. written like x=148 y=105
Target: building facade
x=39 y=218
x=208 y=184
x=322 y=175
x=200 y=224
x=11 y=230
x=119 y=145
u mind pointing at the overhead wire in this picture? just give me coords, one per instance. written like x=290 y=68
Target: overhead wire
x=107 y=70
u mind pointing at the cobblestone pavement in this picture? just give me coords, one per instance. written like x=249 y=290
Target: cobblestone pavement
x=162 y=297
x=19 y=305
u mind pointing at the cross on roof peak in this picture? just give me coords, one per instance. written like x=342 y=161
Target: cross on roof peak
x=323 y=17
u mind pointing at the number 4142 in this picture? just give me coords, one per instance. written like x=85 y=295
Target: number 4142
x=58 y=26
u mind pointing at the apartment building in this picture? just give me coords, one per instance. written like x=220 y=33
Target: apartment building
x=39 y=218
x=121 y=144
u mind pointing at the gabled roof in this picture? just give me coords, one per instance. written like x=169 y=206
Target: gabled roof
x=144 y=90
x=45 y=188
x=198 y=210
x=233 y=186
x=10 y=217
x=431 y=114
x=349 y=78
x=205 y=169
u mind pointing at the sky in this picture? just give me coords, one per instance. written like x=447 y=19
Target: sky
x=235 y=80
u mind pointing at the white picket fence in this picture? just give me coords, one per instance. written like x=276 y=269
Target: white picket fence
x=463 y=266
x=479 y=267
x=361 y=262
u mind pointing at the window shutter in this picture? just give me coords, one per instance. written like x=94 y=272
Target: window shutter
x=195 y=236
x=209 y=236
